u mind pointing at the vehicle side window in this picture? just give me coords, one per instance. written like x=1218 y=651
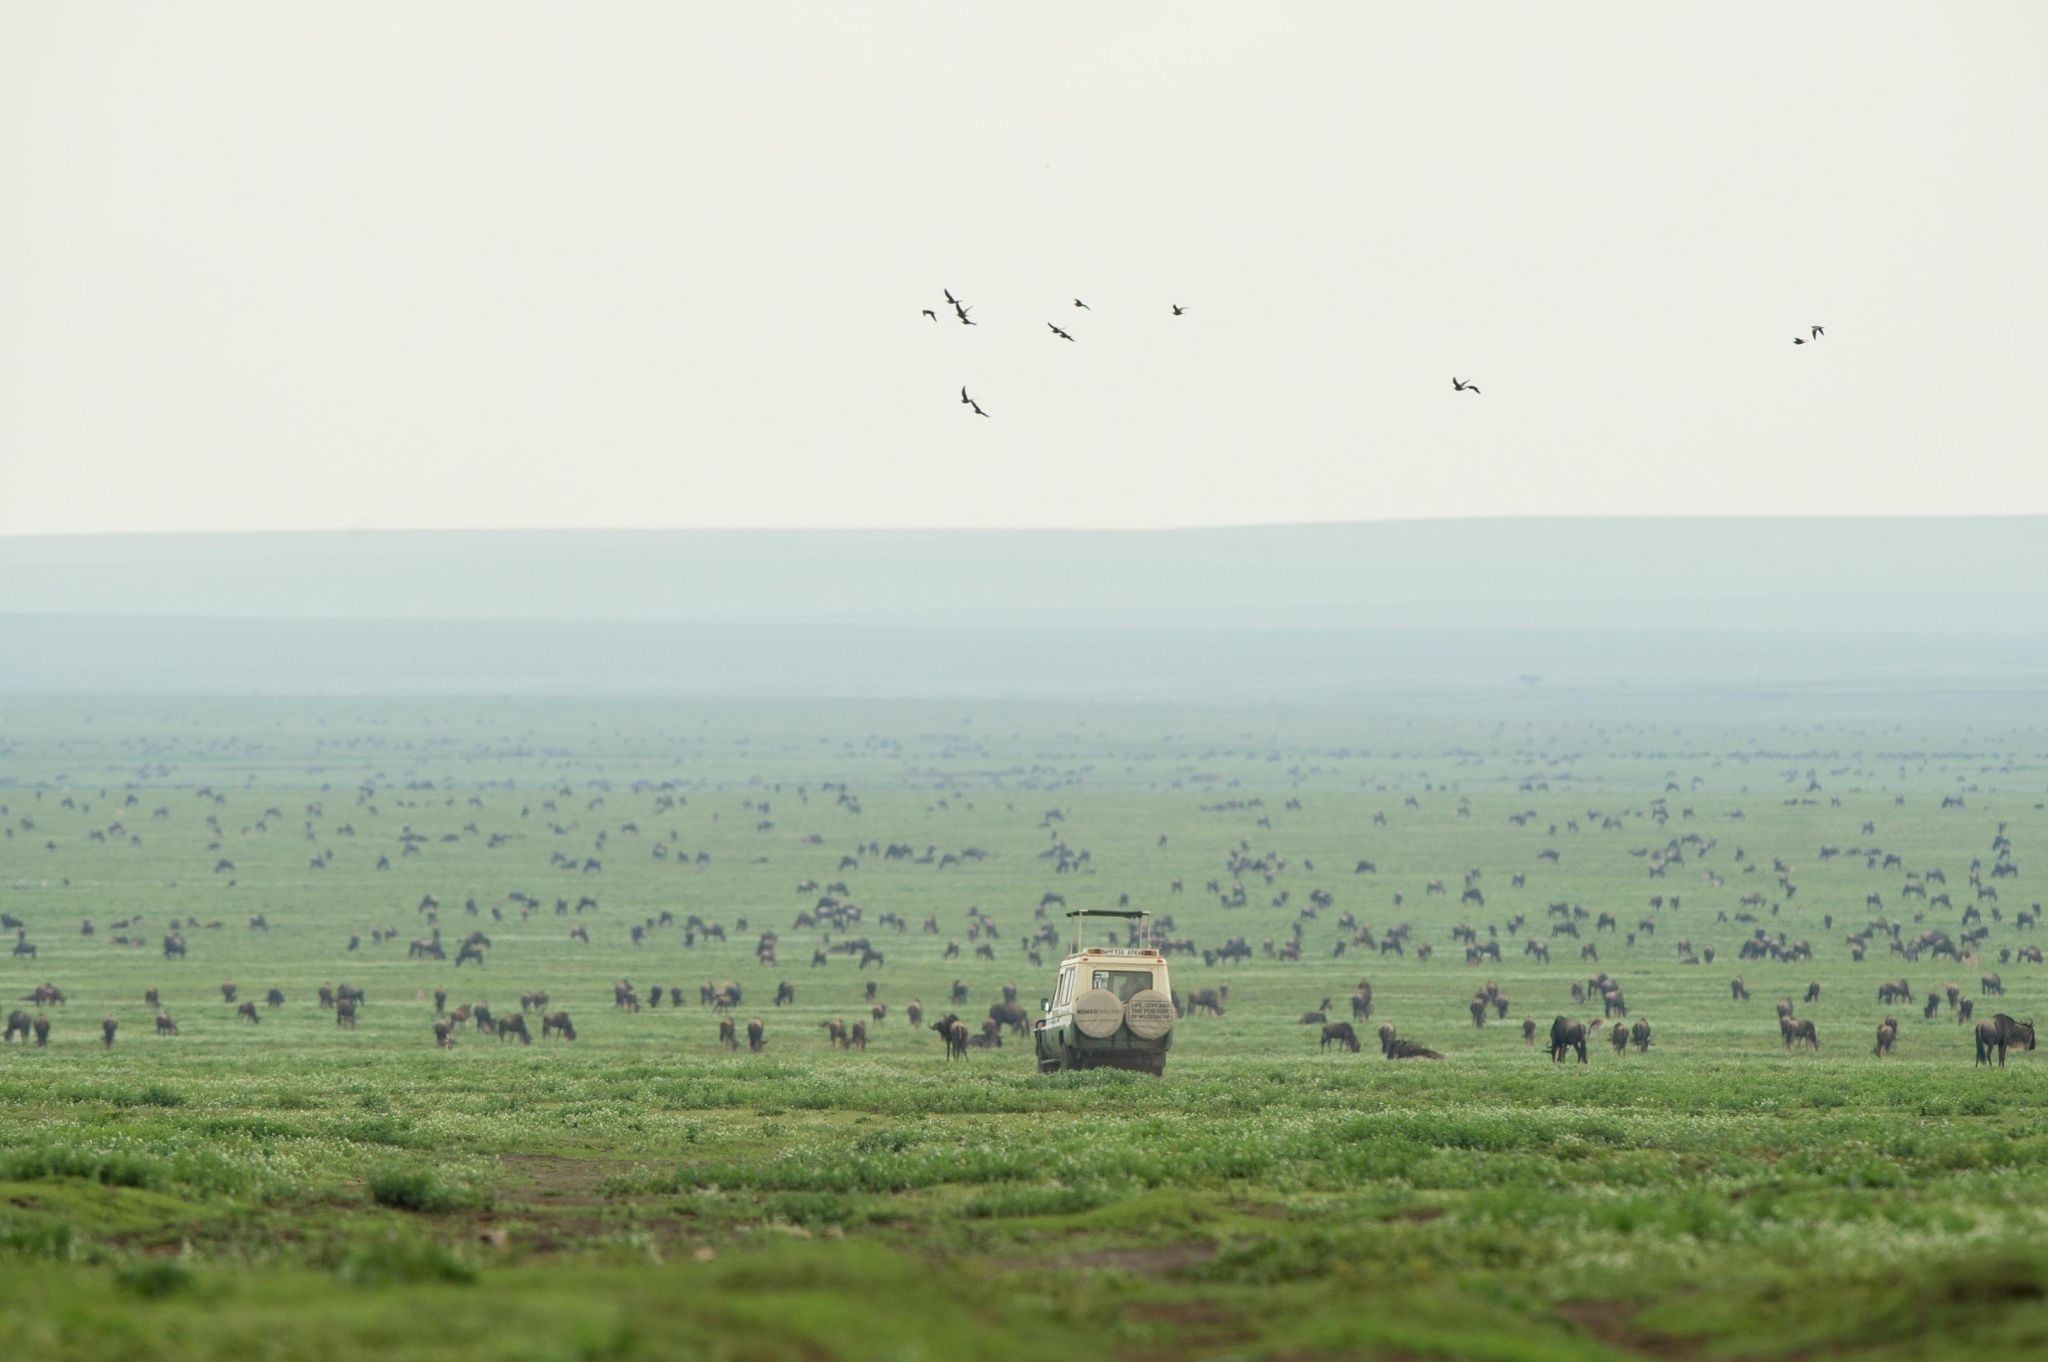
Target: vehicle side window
x=1065 y=994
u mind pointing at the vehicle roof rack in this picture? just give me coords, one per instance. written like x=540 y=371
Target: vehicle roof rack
x=1138 y=914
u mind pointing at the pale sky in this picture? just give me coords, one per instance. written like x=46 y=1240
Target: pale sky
x=290 y=266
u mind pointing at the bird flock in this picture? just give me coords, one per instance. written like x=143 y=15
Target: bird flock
x=960 y=311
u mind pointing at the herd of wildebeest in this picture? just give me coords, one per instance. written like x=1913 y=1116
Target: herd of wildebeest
x=838 y=925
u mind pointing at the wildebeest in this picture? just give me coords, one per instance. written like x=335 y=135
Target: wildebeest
x=785 y=992
x=515 y=1025
x=1361 y=1002
x=17 y=1022
x=1894 y=991
x=857 y=1036
x=345 y=1012
x=1965 y=1010
x=1340 y=1033
x=915 y=1011
x=757 y=1035
x=728 y=1034
x=954 y=1032
x=275 y=998
x=1798 y=1029
x=835 y=1031
x=1640 y=1034
x=557 y=1023
x=1737 y=990
x=164 y=1025
x=1998 y=1033
x=1566 y=1034
x=1619 y=1035
x=42 y=1027
x=1478 y=1009
x=1887 y=1037
x=1205 y=1000
x=1397 y=1048
x=248 y=1010
x=1813 y=991
x=1528 y=1030
x=108 y=1025
x=444 y=1033
x=1386 y=1036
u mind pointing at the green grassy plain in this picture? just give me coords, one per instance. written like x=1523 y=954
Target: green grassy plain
x=291 y=1189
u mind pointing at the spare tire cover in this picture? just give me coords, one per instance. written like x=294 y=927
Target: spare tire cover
x=1150 y=1013
x=1098 y=1013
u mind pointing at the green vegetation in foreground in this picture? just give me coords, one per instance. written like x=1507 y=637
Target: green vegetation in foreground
x=292 y=1189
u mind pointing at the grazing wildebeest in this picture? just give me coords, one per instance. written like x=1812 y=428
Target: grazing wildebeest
x=42 y=1025
x=1965 y=1010
x=108 y=1025
x=1813 y=991
x=557 y=1022
x=1009 y=1014
x=444 y=1033
x=954 y=1032
x=1619 y=1035
x=785 y=992
x=835 y=1031
x=1933 y=1006
x=17 y=1021
x=1737 y=990
x=1887 y=1037
x=1566 y=1034
x=1894 y=991
x=1528 y=1030
x=345 y=1012
x=164 y=1025
x=857 y=1036
x=515 y=1025
x=1797 y=1029
x=728 y=1034
x=248 y=1010
x=1640 y=1034
x=1205 y=1000
x=2000 y=1032
x=757 y=1035
x=1340 y=1033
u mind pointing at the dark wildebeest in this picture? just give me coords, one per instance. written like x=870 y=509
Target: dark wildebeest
x=1887 y=1037
x=1478 y=1009
x=1933 y=1006
x=1010 y=1014
x=857 y=1036
x=108 y=1025
x=17 y=1021
x=835 y=1031
x=557 y=1022
x=1612 y=1002
x=1894 y=991
x=1528 y=1030
x=1386 y=1037
x=1997 y=1033
x=1991 y=984
x=1361 y=1003
x=785 y=992
x=728 y=1034
x=1737 y=990
x=1965 y=1010
x=227 y=993
x=444 y=1033
x=1398 y=1048
x=1640 y=1034
x=42 y=1025
x=1619 y=1035
x=164 y=1025
x=275 y=997
x=1340 y=1033
x=757 y=1035
x=345 y=1012
x=1798 y=1029
x=954 y=1032
x=515 y=1025
x=151 y=999
x=1566 y=1034
x=1205 y=1000
x=1813 y=991
x=248 y=1010
x=915 y=1011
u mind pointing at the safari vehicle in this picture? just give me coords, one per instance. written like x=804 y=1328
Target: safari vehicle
x=1111 y=1007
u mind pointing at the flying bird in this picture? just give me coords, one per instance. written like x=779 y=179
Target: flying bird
x=963 y=311
x=929 y=313
x=1459 y=385
x=949 y=297
x=1061 y=334
x=977 y=409
x=965 y=400
x=1819 y=331
x=1178 y=310
x=1079 y=303
x=1799 y=340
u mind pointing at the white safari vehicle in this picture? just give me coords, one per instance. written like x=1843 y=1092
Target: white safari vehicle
x=1112 y=1006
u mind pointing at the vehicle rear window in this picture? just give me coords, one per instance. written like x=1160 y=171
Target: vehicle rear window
x=1123 y=982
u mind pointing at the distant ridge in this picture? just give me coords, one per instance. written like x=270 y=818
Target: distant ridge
x=1931 y=576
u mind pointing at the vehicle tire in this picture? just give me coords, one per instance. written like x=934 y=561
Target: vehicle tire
x=1098 y=1014
x=1149 y=1014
